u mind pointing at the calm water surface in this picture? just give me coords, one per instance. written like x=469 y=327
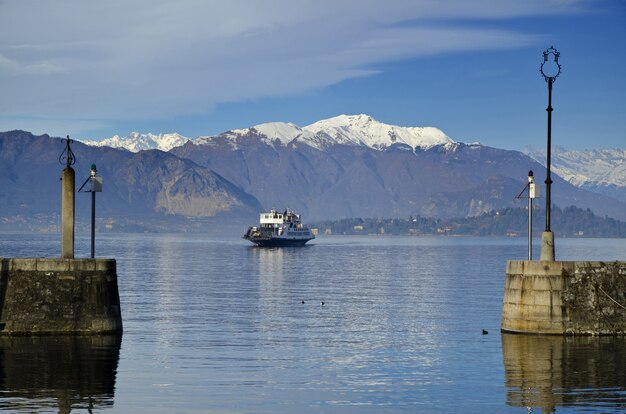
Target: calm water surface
x=217 y=325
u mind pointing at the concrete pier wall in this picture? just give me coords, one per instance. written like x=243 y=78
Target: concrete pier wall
x=554 y=297
x=59 y=297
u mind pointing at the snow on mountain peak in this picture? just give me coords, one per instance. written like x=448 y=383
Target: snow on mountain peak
x=360 y=130
x=604 y=167
x=269 y=133
x=135 y=141
x=365 y=130
x=282 y=131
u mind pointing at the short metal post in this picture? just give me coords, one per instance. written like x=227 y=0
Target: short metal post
x=93 y=224
x=92 y=178
x=532 y=193
x=95 y=186
x=530 y=228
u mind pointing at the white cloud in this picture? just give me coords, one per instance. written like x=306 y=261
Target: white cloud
x=124 y=60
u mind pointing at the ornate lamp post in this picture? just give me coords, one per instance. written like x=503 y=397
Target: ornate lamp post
x=550 y=70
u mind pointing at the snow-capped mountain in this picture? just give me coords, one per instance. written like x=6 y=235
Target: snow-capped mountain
x=273 y=167
x=271 y=133
x=365 y=130
x=602 y=167
x=354 y=166
x=354 y=130
x=135 y=142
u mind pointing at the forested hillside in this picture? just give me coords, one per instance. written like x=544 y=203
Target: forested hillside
x=567 y=222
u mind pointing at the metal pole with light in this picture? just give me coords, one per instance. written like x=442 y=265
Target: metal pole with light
x=550 y=70
x=533 y=192
x=95 y=187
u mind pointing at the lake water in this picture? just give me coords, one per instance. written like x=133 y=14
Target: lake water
x=215 y=325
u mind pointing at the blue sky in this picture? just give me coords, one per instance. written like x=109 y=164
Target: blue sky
x=92 y=70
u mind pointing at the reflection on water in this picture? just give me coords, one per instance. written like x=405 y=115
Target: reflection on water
x=555 y=371
x=60 y=373
x=214 y=324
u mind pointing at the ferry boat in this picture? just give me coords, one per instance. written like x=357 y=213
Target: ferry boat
x=279 y=229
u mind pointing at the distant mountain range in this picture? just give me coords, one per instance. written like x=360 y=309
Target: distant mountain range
x=347 y=166
x=602 y=170
x=355 y=166
x=136 y=142
x=359 y=130
x=137 y=187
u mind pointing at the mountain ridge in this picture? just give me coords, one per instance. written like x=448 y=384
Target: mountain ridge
x=136 y=141
x=601 y=170
x=136 y=185
x=346 y=166
x=597 y=166
x=346 y=180
x=358 y=130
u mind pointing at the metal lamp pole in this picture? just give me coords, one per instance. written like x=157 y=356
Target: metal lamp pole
x=93 y=212
x=95 y=186
x=550 y=70
x=533 y=192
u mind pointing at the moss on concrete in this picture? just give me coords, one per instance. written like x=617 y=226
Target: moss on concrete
x=547 y=297
x=59 y=297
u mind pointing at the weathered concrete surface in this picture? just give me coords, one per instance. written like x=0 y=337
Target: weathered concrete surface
x=547 y=246
x=552 y=297
x=532 y=297
x=68 y=205
x=59 y=297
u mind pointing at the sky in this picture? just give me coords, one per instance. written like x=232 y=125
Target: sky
x=92 y=70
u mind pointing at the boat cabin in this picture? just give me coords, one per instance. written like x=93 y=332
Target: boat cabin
x=276 y=219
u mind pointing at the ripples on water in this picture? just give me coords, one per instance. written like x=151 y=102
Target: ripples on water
x=214 y=325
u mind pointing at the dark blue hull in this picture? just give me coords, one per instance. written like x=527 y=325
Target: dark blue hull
x=277 y=242
x=274 y=237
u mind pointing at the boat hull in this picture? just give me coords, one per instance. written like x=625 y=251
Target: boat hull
x=277 y=242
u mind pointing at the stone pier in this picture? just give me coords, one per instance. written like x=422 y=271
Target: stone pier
x=59 y=297
x=65 y=296
x=556 y=297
